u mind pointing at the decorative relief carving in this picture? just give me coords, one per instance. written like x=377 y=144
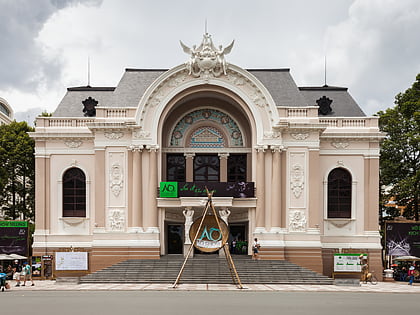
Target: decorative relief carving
x=299 y=136
x=340 y=163
x=116 y=220
x=116 y=179
x=113 y=135
x=141 y=134
x=297 y=221
x=73 y=143
x=272 y=135
x=339 y=223
x=340 y=145
x=297 y=179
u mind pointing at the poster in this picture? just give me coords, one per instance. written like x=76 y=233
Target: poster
x=71 y=261
x=14 y=237
x=402 y=239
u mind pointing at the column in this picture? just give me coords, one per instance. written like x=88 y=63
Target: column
x=153 y=219
x=137 y=191
x=189 y=166
x=145 y=174
x=276 y=188
x=260 y=187
x=268 y=192
x=100 y=188
x=223 y=166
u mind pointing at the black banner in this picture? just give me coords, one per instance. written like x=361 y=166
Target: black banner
x=235 y=190
x=14 y=237
x=403 y=239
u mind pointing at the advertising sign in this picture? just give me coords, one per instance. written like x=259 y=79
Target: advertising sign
x=402 y=239
x=198 y=189
x=347 y=262
x=209 y=238
x=14 y=237
x=71 y=261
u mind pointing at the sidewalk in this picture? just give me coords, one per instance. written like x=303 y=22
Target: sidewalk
x=51 y=285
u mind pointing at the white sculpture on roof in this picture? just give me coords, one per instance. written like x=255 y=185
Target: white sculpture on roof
x=206 y=59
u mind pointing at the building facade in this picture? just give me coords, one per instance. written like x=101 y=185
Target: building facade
x=295 y=167
x=6 y=112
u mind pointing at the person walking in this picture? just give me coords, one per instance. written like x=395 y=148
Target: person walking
x=17 y=270
x=27 y=274
x=411 y=275
x=255 y=248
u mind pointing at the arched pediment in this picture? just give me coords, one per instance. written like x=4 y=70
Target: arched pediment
x=237 y=82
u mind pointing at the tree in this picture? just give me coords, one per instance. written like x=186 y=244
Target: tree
x=17 y=171
x=400 y=152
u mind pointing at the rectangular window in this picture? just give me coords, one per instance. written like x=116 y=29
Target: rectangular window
x=206 y=168
x=236 y=168
x=175 y=168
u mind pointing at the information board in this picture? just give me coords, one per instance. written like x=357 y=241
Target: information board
x=71 y=261
x=347 y=262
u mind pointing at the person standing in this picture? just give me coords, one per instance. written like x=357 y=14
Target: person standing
x=27 y=274
x=255 y=249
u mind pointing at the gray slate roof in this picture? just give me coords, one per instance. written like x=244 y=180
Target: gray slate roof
x=135 y=82
x=343 y=105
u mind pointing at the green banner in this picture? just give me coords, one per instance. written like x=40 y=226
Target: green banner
x=7 y=224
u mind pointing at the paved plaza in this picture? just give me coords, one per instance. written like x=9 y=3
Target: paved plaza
x=51 y=285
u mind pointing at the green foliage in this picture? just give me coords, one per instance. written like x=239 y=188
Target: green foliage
x=17 y=171
x=400 y=151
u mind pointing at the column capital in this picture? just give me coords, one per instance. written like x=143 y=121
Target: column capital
x=135 y=148
x=223 y=155
x=276 y=148
x=261 y=148
x=189 y=155
x=152 y=147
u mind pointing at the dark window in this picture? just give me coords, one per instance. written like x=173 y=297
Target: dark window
x=206 y=168
x=339 y=194
x=175 y=167
x=236 y=169
x=74 y=193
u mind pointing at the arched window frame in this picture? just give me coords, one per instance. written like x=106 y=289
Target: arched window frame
x=353 y=195
x=61 y=197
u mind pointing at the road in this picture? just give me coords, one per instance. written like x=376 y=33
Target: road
x=205 y=303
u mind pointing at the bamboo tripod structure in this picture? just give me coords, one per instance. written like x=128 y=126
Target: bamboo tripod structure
x=234 y=274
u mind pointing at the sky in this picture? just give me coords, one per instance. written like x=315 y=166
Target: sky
x=372 y=47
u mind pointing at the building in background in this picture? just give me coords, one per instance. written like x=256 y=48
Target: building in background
x=6 y=112
x=296 y=167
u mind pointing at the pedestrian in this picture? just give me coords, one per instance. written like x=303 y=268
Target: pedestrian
x=411 y=275
x=255 y=249
x=17 y=270
x=27 y=274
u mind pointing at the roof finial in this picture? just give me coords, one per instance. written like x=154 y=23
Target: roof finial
x=205 y=26
x=88 y=71
x=325 y=71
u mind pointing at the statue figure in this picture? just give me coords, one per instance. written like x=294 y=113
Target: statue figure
x=206 y=59
x=188 y=214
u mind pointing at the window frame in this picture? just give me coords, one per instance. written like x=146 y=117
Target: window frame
x=74 y=188
x=344 y=194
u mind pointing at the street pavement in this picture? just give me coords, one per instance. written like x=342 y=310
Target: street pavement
x=52 y=285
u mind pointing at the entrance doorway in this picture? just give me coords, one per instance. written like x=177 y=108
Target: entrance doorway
x=175 y=239
x=238 y=238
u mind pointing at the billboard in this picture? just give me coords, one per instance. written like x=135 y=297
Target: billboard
x=402 y=239
x=14 y=237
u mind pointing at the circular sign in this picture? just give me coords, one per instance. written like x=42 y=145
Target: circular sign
x=209 y=238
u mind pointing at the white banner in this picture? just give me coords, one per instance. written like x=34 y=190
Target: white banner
x=71 y=261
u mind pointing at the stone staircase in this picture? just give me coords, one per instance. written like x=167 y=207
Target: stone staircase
x=206 y=269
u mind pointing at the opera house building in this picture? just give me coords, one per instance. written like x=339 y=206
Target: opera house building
x=122 y=172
